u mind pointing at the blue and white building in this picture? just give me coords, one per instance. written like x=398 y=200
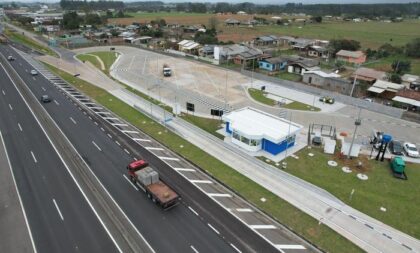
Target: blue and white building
x=255 y=130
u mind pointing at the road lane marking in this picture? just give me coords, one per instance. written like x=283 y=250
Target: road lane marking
x=226 y=195
x=287 y=246
x=96 y=145
x=201 y=181
x=129 y=132
x=185 y=169
x=33 y=156
x=34 y=78
x=55 y=101
x=131 y=183
x=145 y=140
x=118 y=143
x=10 y=106
x=20 y=127
x=153 y=148
x=235 y=248
x=58 y=209
x=110 y=118
x=119 y=124
x=192 y=210
x=126 y=151
x=72 y=120
x=110 y=136
x=168 y=158
x=43 y=88
x=96 y=123
x=262 y=226
x=215 y=230
x=18 y=194
x=244 y=210
x=194 y=249
x=4 y=93
x=103 y=130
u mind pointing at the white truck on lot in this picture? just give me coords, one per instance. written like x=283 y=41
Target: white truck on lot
x=166 y=70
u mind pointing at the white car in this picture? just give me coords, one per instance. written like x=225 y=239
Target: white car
x=33 y=72
x=411 y=149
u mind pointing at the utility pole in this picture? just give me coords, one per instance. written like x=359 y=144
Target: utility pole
x=357 y=123
x=354 y=81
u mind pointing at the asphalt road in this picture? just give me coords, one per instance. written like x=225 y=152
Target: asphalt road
x=175 y=231
x=59 y=217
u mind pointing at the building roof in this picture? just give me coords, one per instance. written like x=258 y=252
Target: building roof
x=322 y=73
x=409 y=78
x=318 y=49
x=411 y=94
x=276 y=60
x=406 y=101
x=368 y=74
x=289 y=38
x=351 y=54
x=188 y=44
x=304 y=62
x=380 y=86
x=232 y=21
x=256 y=124
x=267 y=38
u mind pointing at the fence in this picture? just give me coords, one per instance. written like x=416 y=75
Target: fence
x=391 y=111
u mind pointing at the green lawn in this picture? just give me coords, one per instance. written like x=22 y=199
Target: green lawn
x=89 y=58
x=384 y=64
x=401 y=198
x=259 y=96
x=209 y=125
x=289 y=76
x=281 y=210
x=22 y=39
x=108 y=58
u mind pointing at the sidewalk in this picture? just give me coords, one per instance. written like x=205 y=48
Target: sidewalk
x=366 y=232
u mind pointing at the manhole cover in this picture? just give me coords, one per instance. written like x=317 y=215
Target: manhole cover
x=362 y=176
x=311 y=154
x=332 y=163
x=346 y=169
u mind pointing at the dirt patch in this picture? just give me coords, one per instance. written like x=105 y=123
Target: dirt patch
x=354 y=162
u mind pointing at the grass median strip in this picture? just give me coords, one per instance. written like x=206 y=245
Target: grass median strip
x=301 y=223
x=20 y=38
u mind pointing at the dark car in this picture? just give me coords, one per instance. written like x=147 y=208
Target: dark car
x=317 y=141
x=396 y=148
x=45 y=99
x=328 y=100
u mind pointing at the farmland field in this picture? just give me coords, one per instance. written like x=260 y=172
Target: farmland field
x=371 y=34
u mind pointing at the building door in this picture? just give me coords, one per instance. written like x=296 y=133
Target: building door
x=310 y=80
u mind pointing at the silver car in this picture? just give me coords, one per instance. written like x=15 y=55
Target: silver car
x=34 y=72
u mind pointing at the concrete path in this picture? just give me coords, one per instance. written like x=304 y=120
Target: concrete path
x=368 y=233
x=99 y=60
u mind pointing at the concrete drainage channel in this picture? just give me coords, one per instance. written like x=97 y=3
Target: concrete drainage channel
x=270 y=230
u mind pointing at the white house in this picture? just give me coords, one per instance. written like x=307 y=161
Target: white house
x=255 y=130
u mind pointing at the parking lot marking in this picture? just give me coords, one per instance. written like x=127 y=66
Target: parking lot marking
x=194 y=249
x=10 y=106
x=4 y=93
x=262 y=226
x=55 y=101
x=289 y=246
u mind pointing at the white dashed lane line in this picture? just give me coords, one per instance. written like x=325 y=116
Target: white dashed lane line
x=235 y=248
x=154 y=148
x=131 y=183
x=33 y=157
x=4 y=93
x=72 y=120
x=194 y=249
x=58 y=209
x=192 y=210
x=222 y=195
x=96 y=145
x=215 y=230
x=10 y=106
x=20 y=127
x=55 y=101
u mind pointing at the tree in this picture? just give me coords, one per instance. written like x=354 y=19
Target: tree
x=413 y=48
x=395 y=78
x=93 y=19
x=205 y=38
x=316 y=19
x=71 y=20
x=401 y=66
x=343 y=44
x=120 y=14
x=213 y=23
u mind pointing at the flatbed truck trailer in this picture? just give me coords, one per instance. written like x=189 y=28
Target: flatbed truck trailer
x=147 y=179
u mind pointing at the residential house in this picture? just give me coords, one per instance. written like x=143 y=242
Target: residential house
x=241 y=13
x=190 y=29
x=318 y=51
x=230 y=52
x=189 y=47
x=300 y=65
x=329 y=81
x=267 y=40
x=302 y=44
x=357 y=57
x=141 y=40
x=232 y=22
x=408 y=79
x=206 y=51
x=249 y=22
x=252 y=54
x=368 y=75
x=409 y=98
x=385 y=89
x=285 y=40
x=273 y=64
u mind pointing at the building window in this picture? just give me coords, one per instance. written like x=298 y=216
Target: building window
x=235 y=135
x=255 y=143
x=245 y=140
x=291 y=138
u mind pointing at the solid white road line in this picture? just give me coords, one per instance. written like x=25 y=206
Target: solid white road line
x=58 y=209
x=219 y=195
x=194 y=249
x=55 y=101
x=130 y=182
x=192 y=210
x=234 y=247
x=168 y=158
x=201 y=181
x=4 y=93
x=43 y=88
x=185 y=169
x=33 y=156
x=215 y=230
x=262 y=226
x=18 y=194
x=153 y=148
x=10 y=106
x=285 y=246
x=72 y=120
x=20 y=127
x=244 y=210
x=145 y=140
x=96 y=145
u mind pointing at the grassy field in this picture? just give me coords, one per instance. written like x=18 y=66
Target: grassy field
x=289 y=76
x=385 y=64
x=399 y=197
x=371 y=34
x=89 y=58
x=108 y=58
x=22 y=39
x=259 y=96
x=296 y=220
x=209 y=125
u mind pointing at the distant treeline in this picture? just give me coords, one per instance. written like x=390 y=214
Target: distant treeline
x=349 y=10
x=91 y=5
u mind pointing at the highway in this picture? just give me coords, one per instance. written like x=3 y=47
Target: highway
x=59 y=217
x=177 y=230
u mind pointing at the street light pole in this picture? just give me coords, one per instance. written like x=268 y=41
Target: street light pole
x=357 y=123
